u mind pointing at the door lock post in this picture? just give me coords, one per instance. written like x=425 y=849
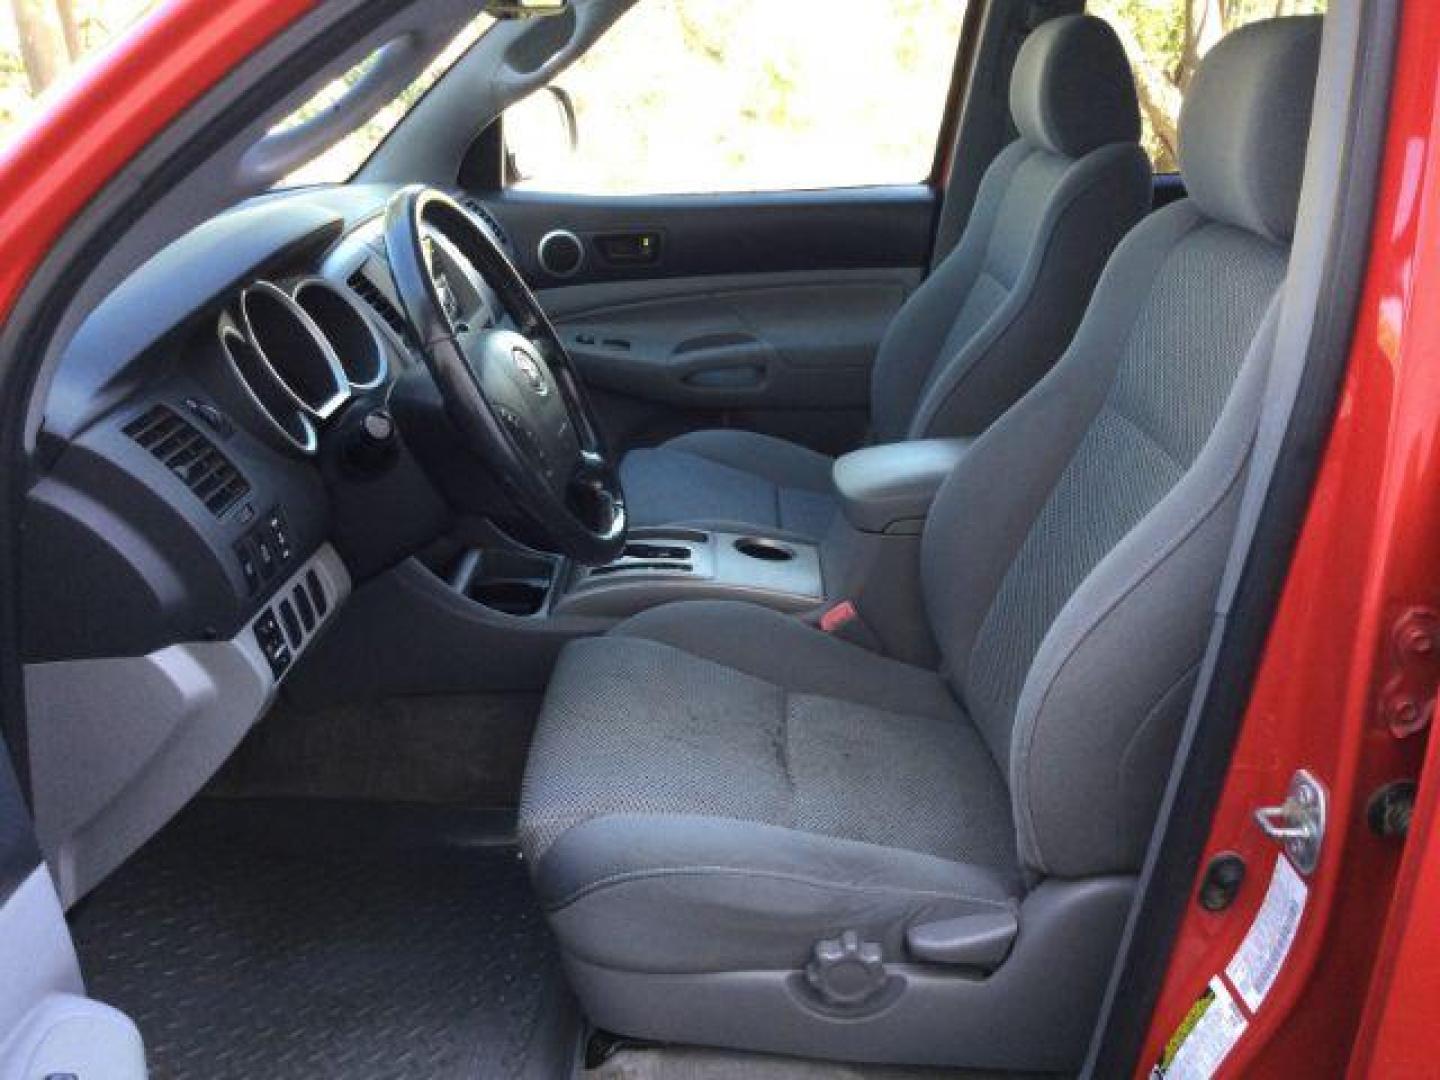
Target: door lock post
x=1298 y=824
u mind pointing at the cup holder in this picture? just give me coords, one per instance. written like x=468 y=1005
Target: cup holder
x=507 y=581
x=757 y=547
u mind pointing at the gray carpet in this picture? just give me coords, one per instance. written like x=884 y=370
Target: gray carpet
x=253 y=941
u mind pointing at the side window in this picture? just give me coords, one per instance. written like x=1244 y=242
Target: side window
x=44 y=44
x=1166 y=39
x=699 y=96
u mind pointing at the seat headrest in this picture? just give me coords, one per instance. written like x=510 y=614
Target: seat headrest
x=1072 y=90
x=1245 y=123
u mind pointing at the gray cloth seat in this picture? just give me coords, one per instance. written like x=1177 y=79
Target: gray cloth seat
x=991 y=319
x=817 y=776
x=737 y=479
x=732 y=817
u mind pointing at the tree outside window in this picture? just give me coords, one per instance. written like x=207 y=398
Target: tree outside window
x=41 y=41
x=1166 y=40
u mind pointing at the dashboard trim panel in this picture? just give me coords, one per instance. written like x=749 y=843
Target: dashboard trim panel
x=120 y=744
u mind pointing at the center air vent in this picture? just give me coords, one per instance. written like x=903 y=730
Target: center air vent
x=182 y=449
x=368 y=291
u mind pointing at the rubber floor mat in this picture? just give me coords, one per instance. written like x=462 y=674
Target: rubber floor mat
x=243 y=958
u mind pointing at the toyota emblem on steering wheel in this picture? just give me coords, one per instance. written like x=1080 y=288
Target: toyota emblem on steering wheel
x=530 y=369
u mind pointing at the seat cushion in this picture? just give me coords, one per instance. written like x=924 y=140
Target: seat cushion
x=740 y=784
x=738 y=480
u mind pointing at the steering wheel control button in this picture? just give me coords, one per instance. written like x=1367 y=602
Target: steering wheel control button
x=272 y=643
x=524 y=438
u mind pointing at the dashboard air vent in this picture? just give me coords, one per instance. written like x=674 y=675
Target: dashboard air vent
x=182 y=449
x=379 y=302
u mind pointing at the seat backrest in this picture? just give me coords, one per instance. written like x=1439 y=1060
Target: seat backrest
x=1071 y=562
x=1001 y=307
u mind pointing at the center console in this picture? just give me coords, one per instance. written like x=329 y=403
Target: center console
x=872 y=553
x=658 y=566
x=888 y=489
x=665 y=564
x=480 y=612
x=869 y=556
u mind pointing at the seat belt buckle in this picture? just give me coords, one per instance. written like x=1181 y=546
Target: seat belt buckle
x=843 y=620
x=836 y=617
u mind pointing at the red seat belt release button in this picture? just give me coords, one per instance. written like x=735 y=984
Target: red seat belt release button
x=838 y=617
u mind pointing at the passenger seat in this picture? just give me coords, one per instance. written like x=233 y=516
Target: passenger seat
x=986 y=325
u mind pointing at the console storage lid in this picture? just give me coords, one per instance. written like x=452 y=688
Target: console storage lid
x=889 y=489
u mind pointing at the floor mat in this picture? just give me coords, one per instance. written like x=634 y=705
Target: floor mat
x=459 y=749
x=273 y=942
x=686 y=1063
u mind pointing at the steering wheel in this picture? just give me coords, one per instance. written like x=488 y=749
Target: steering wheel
x=513 y=394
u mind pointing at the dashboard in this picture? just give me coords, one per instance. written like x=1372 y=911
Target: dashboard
x=182 y=462
x=181 y=537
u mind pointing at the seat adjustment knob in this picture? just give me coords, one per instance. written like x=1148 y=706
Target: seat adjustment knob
x=846 y=971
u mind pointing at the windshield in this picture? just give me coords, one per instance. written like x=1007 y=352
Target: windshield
x=44 y=43
x=342 y=160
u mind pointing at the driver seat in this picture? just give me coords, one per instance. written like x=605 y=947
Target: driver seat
x=987 y=324
x=748 y=833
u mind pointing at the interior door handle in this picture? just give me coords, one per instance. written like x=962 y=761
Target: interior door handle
x=629 y=248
